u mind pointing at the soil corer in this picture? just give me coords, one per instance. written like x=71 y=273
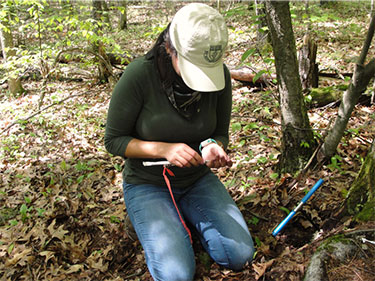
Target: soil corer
x=292 y=213
x=160 y=163
x=156 y=163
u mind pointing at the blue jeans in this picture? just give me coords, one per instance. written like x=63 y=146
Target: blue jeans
x=208 y=207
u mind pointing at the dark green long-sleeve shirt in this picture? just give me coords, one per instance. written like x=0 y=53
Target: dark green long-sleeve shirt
x=140 y=109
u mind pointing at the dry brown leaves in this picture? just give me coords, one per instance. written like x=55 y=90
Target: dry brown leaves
x=61 y=206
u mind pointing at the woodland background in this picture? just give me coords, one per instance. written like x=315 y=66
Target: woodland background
x=61 y=205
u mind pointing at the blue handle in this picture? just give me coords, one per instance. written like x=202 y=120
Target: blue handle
x=283 y=223
x=315 y=187
x=292 y=213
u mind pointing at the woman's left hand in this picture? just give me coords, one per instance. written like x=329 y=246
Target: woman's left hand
x=215 y=156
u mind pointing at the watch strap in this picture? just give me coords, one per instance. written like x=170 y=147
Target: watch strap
x=205 y=143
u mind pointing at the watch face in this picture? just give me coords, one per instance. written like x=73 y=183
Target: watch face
x=206 y=142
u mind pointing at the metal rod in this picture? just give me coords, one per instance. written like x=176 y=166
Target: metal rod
x=156 y=163
x=161 y=163
x=292 y=213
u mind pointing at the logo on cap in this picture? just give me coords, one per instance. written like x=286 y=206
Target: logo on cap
x=214 y=53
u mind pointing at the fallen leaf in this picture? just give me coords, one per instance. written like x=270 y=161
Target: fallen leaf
x=47 y=254
x=305 y=223
x=75 y=268
x=260 y=268
x=59 y=232
x=19 y=258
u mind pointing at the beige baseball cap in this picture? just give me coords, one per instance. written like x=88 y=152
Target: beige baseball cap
x=200 y=36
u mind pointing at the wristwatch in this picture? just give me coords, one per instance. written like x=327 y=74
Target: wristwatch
x=205 y=143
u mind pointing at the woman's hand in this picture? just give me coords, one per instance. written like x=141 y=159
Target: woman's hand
x=181 y=155
x=215 y=156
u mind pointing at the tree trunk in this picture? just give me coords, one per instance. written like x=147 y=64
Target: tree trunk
x=297 y=141
x=105 y=13
x=361 y=196
x=361 y=78
x=98 y=47
x=262 y=22
x=123 y=24
x=339 y=250
x=6 y=39
x=308 y=69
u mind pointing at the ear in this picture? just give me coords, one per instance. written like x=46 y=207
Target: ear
x=168 y=48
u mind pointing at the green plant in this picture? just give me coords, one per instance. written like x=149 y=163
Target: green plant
x=80 y=166
x=258 y=243
x=286 y=210
x=251 y=126
x=24 y=211
x=64 y=166
x=114 y=219
x=305 y=144
x=13 y=222
x=262 y=160
x=118 y=167
x=236 y=127
x=155 y=31
x=10 y=248
x=245 y=185
x=40 y=212
x=274 y=176
x=335 y=163
x=253 y=220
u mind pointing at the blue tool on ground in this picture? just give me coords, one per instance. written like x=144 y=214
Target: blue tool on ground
x=292 y=213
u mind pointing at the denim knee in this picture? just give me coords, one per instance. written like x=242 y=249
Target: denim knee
x=172 y=271
x=239 y=256
x=232 y=254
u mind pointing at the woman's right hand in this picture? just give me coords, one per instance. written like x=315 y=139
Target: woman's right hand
x=181 y=155
x=178 y=154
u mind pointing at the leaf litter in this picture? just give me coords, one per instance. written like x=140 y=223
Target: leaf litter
x=62 y=211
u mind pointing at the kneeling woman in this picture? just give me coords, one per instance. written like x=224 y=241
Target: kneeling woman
x=174 y=104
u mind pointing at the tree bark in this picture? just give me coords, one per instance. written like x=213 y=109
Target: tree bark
x=6 y=39
x=308 y=69
x=339 y=250
x=361 y=196
x=297 y=141
x=123 y=23
x=98 y=47
x=262 y=22
x=360 y=80
x=105 y=13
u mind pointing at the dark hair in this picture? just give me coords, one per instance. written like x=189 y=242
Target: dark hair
x=172 y=84
x=163 y=58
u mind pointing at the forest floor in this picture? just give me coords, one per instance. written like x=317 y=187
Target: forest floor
x=61 y=205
